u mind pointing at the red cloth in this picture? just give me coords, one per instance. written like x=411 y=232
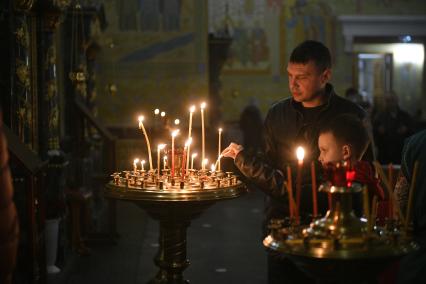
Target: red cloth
x=362 y=172
x=365 y=174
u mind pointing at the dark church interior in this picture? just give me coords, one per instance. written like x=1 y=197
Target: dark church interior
x=185 y=141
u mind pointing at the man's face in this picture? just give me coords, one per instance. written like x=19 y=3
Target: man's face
x=306 y=83
x=330 y=150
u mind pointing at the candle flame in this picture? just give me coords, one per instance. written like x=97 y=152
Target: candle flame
x=213 y=167
x=161 y=146
x=177 y=121
x=141 y=118
x=175 y=133
x=205 y=161
x=135 y=161
x=163 y=114
x=203 y=105
x=188 y=142
x=156 y=111
x=194 y=155
x=220 y=129
x=165 y=158
x=300 y=153
x=192 y=108
x=143 y=162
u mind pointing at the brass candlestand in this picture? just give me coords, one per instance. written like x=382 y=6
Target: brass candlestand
x=174 y=202
x=340 y=247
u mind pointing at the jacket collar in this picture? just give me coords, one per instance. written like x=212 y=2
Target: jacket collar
x=328 y=92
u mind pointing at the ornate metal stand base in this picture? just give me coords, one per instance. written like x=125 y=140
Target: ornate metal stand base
x=174 y=209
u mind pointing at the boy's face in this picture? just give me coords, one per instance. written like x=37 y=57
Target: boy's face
x=331 y=151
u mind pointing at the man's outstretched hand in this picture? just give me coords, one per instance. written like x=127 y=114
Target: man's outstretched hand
x=232 y=150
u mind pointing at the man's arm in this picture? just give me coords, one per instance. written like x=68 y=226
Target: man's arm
x=269 y=180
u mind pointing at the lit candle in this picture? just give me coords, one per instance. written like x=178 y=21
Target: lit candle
x=192 y=160
x=218 y=149
x=212 y=168
x=135 y=167
x=189 y=141
x=159 y=148
x=191 y=112
x=202 y=107
x=300 y=154
x=314 y=190
x=177 y=121
x=204 y=163
x=185 y=157
x=156 y=117
x=174 y=134
x=164 y=162
x=142 y=165
x=141 y=118
x=163 y=114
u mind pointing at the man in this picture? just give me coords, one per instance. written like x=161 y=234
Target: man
x=294 y=122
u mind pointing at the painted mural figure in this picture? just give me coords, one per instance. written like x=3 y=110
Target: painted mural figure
x=259 y=48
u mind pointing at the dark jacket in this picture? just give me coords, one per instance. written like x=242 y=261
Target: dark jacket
x=284 y=130
x=412 y=266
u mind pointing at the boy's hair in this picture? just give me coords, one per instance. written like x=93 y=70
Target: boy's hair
x=311 y=50
x=348 y=130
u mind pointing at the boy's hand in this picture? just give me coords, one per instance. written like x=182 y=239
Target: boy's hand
x=232 y=150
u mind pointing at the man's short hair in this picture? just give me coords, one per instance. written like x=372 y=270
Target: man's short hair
x=348 y=130
x=311 y=50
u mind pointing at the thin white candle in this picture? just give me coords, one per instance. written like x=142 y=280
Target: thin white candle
x=219 y=148
x=141 y=118
x=192 y=160
x=202 y=107
x=188 y=144
x=191 y=112
x=204 y=163
x=159 y=148
x=174 y=134
x=143 y=165
x=135 y=167
x=164 y=162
